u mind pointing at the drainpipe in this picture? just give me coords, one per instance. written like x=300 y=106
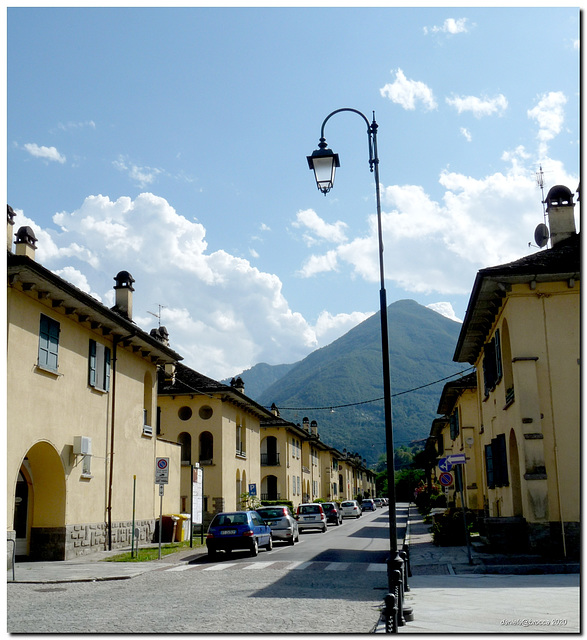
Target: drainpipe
x=110 y=479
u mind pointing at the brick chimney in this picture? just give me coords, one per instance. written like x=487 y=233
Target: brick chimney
x=25 y=244
x=124 y=289
x=561 y=214
x=10 y=227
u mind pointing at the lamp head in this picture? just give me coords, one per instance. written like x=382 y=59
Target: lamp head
x=324 y=162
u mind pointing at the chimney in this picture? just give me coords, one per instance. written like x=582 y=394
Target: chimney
x=314 y=428
x=161 y=334
x=10 y=226
x=306 y=424
x=561 y=215
x=25 y=243
x=275 y=410
x=170 y=372
x=124 y=291
x=238 y=384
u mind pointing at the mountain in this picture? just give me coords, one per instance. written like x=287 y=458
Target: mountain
x=261 y=377
x=349 y=372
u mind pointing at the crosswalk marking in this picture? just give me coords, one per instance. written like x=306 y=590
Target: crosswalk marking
x=337 y=566
x=285 y=566
x=259 y=565
x=220 y=567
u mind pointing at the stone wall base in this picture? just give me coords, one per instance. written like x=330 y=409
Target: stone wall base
x=75 y=540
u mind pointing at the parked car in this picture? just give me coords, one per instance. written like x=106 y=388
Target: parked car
x=368 y=505
x=350 y=509
x=311 y=516
x=333 y=514
x=283 y=525
x=238 y=530
x=378 y=502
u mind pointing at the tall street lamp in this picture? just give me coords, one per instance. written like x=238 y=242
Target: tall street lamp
x=324 y=161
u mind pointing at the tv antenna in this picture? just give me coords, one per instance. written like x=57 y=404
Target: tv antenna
x=540 y=183
x=158 y=315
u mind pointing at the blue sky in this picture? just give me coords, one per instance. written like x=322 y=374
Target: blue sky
x=172 y=143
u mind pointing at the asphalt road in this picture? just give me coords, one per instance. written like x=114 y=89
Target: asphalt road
x=330 y=582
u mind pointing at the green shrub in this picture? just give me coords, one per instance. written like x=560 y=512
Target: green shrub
x=448 y=529
x=278 y=503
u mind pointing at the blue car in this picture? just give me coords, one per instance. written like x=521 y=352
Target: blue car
x=238 y=530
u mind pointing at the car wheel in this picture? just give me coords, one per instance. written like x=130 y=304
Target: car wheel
x=269 y=545
x=212 y=554
x=255 y=548
x=337 y=523
x=325 y=529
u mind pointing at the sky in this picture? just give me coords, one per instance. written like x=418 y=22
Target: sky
x=172 y=143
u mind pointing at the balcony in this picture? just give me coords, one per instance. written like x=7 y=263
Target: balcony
x=270 y=460
x=271 y=496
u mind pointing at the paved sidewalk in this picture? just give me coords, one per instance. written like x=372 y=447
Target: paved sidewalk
x=448 y=594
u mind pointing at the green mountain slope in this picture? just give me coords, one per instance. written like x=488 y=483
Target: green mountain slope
x=349 y=372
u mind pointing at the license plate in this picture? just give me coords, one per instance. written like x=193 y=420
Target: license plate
x=228 y=532
x=308 y=517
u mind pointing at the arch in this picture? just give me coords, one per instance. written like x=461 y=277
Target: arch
x=269 y=451
x=45 y=492
x=270 y=488
x=206 y=448
x=185 y=440
x=516 y=483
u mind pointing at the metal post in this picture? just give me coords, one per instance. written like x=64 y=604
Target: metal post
x=134 y=489
x=160 y=516
x=459 y=472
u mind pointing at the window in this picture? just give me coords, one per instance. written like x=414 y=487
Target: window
x=48 y=343
x=206 y=447
x=492 y=370
x=185 y=440
x=454 y=425
x=99 y=366
x=496 y=463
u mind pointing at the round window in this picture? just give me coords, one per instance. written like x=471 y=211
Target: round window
x=185 y=413
x=205 y=412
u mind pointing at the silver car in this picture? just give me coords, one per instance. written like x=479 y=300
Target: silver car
x=283 y=525
x=351 y=509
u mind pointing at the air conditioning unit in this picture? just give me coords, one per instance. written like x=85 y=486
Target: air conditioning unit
x=82 y=446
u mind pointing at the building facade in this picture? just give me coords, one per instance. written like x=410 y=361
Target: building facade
x=81 y=413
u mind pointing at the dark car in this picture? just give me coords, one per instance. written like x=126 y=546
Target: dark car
x=283 y=525
x=238 y=530
x=333 y=513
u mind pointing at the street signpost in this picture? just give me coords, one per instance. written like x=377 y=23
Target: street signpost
x=161 y=478
x=445 y=479
x=197 y=501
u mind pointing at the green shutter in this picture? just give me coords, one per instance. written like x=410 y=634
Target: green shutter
x=92 y=364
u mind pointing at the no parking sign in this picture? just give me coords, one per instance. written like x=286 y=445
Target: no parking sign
x=162 y=471
x=445 y=479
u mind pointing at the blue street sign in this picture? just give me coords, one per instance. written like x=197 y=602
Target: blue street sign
x=445 y=464
x=457 y=458
x=252 y=489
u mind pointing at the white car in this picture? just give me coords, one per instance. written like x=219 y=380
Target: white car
x=378 y=502
x=311 y=516
x=350 y=509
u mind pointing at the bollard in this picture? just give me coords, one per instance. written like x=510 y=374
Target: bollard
x=390 y=613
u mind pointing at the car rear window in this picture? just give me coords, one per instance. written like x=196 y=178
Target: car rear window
x=310 y=508
x=222 y=520
x=348 y=504
x=271 y=513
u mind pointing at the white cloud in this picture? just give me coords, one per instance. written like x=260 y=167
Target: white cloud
x=466 y=134
x=444 y=309
x=330 y=327
x=479 y=107
x=223 y=314
x=142 y=176
x=318 y=229
x=319 y=264
x=69 y=126
x=77 y=279
x=450 y=26
x=46 y=153
x=549 y=114
x=408 y=92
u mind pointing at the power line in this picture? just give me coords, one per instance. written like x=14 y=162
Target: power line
x=394 y=395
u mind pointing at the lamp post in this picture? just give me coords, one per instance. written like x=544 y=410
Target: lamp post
x=324 y=163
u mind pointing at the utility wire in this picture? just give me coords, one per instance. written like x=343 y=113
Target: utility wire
x=394 y=395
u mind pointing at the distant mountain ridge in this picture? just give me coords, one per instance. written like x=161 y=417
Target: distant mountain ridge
x=349 y=372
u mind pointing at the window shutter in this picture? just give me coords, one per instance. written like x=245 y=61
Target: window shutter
x=92 y=364
x=48 y=343
x=107 y=369
x=498 y=367
x=489 y=466
x=503 y=479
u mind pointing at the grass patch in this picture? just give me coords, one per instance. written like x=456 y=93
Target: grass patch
x=145 y=554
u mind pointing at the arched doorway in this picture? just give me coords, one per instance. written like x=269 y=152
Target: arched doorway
x=269 y=488
x=39 y=511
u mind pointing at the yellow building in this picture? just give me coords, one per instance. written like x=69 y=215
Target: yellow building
x=219 y=428
x=81 y=414
x=522 y=334
x=460 y=433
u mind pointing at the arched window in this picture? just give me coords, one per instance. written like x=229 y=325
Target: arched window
x=185 y=440
x=206 y=448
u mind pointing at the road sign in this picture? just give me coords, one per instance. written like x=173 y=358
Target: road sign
x=444 y=464
x=162 y=471
x=252 y=489
x=445 y=479
x=457 y=458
